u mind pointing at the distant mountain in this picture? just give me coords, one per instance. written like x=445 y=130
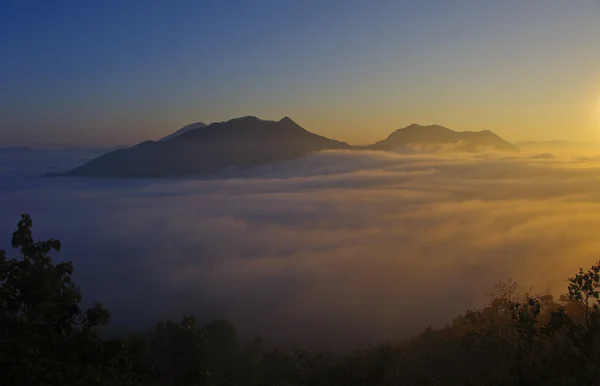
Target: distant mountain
x=417 y=136
x=183 y=130
x=237 y=143
x=242 y=143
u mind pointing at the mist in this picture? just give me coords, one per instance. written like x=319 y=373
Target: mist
x=337 y=249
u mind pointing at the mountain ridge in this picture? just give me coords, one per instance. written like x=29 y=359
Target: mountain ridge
x=432 y=135
x=237 y=143
x=183 y=130
x=249 y=141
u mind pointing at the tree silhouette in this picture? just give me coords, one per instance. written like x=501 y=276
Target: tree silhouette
x=45 y=337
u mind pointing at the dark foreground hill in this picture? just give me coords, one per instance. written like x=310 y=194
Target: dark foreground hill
x=430 y=136
x=235 y=144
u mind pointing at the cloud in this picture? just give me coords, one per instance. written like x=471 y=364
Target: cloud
x=543 y=156
x=337 y=249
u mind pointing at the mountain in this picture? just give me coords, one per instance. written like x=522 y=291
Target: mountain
x=183 y=130
x=417 y=136
x=237 y=143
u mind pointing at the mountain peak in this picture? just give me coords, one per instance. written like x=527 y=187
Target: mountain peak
x=183 y=130
x=415 y=126
x=239 y=143
x=436 y=135
x=246 y=118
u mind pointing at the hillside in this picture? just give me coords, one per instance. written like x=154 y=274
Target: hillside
x=246 y=142
x=435 y=135
x=238 y=143
x=183 y=130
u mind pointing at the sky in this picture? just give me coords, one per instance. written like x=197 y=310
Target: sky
x=103 y=73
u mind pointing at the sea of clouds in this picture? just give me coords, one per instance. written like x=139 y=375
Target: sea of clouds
x=340 y=248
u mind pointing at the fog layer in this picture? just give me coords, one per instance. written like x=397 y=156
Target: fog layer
x=336 y=249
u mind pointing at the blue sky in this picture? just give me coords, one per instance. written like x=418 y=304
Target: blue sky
x=113 y=72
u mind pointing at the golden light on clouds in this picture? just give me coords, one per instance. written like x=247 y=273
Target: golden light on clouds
x=321 y=242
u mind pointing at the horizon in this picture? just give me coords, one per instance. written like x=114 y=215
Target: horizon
x=284 y=192
x=346 y=70
x=66 y=145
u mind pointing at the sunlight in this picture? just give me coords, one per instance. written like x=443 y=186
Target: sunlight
x=597 y=110
x=301 y=193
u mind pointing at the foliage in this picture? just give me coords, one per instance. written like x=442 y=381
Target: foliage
x=176 y=350
x=516 y=339
x=45 y=337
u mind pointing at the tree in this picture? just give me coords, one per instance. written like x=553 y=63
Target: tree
x=45 y=337
x=177 y=352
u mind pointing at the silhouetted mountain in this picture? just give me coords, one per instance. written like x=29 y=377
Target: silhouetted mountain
x=435 y=135
x=237 y=143
x=183 y=130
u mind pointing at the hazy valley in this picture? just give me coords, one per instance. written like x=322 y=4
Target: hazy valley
x=300 y=193
x=328 y=249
